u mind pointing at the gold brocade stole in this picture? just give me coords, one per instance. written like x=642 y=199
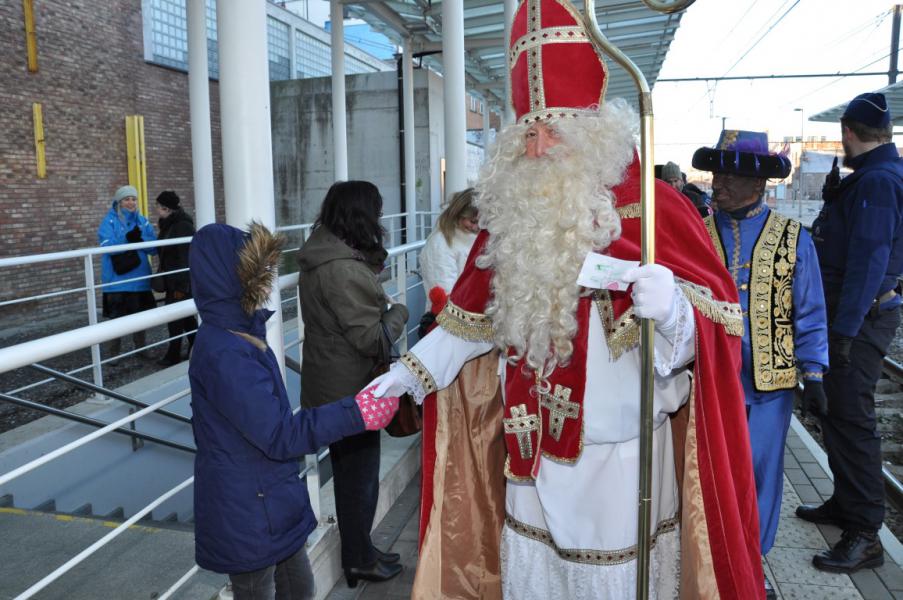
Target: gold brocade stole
x=770 y=301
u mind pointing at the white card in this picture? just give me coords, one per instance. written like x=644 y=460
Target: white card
x=604 y=272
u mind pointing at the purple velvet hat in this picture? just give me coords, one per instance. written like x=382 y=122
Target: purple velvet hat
x=743 y=153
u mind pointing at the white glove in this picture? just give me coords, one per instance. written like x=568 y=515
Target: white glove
x=653 y=292
x=391 y=383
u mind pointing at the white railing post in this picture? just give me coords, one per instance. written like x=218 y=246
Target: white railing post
x=91 y=297
x=401 y=285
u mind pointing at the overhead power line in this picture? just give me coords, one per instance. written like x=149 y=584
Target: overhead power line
x=762 y=37
x=794 y=76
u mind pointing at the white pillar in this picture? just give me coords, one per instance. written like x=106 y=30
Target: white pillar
x=455 y=96
x=339 y=136
x=244 y=90
x=508 y=116
x=410 y=164
x=485 y=129
x=199 y=99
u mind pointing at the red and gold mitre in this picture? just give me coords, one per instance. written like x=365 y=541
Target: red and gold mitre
x=556 y=70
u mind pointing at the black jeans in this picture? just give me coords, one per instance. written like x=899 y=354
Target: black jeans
x=292 y=579
x=355 y=473
x=178 y=327
x=850 y=428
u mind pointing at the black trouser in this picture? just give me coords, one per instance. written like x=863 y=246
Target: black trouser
x=850 y=429
x=178 y=327
x=355 y=474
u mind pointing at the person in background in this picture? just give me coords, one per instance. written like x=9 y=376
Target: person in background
x=860 y=250
x=175 y=223
x=123 y=224
x=349 y=325
x=447 y=247
x=252 y=511
x=697 y=196
x=671 y=175
x=773 y=264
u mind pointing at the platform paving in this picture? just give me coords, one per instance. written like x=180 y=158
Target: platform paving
x=788 y=565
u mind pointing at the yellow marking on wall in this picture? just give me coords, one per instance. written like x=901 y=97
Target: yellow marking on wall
x=12 y=511
x=65 y=518
x=134 y=140
x=31 y=36
x=40 y=159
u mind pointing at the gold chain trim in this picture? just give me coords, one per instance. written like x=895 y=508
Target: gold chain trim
x=771 y=305
x=560 y=408
x=416 y=367
x=630 y=211
x=587 y=557
x=547 y=35
x=470 y=326
x=712 y=228
x=521 y=424
x=621 y=335
x=728 y=314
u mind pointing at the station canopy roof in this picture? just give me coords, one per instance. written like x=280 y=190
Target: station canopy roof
x=641 y=33
x=893 y=93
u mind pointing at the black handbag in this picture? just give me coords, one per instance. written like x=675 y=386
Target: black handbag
x=124 y=262
x=408 y=420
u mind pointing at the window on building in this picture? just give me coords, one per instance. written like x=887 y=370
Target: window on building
x=312 y=57
x=278 y=50
x=168 y=32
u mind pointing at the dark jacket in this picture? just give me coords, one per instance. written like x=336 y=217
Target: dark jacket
x=858 y=238
x=112 y=231
x=172 y=258
x=251 y=509
x=344 y=310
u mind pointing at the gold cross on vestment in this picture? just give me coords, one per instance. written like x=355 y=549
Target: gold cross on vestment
x=560 y=408
x=522 y=425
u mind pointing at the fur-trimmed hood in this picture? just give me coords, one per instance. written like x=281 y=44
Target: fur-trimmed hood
x=231 y=273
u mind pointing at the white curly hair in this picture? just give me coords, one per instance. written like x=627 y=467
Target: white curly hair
x=543 y=216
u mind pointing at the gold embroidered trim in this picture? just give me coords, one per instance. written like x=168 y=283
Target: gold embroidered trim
x=630 y=211
x=470 y=326
x=560 y=408
x=621 y=335
x=521 y=424
x=510 y=475
x=817 y=375
x=728 y=314
x=416 y=367
x=712 y=228
x=771 y=305
x=587 y=557
x=548 y=35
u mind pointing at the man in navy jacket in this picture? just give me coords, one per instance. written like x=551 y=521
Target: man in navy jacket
x=858 y=239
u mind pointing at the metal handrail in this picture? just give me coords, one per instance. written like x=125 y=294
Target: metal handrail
x=63 y=414
x=104 y=391
x=17 y=261
x=87 y=552
x=46 y=458
x=178 y=584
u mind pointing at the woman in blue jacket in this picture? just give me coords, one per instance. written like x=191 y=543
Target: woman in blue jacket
x=123 y=224
x=252 y=510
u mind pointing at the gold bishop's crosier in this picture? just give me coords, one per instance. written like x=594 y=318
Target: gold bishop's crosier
x=647 y=330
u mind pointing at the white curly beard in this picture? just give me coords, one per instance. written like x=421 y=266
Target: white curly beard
x=543 y=216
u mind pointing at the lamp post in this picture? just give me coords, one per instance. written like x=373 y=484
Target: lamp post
x=799 y=182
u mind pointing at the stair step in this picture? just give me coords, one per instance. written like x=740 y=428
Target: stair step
x=48 y=506
x=116 y=513
x=6 y=500
x=85 y=510
x=172 y=517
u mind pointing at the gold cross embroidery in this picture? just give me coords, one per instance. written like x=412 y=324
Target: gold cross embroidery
x=522 y=425
x=560 y=408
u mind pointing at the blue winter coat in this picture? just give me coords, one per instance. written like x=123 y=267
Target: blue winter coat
x=112 y=232
x=251 y=508
x=859 y=239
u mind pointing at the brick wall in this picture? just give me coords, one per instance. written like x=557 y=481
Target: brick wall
x=91 y=75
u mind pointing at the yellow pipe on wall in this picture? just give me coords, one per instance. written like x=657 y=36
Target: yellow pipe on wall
x=31 y=36
x=38 y=115
x=134 y=140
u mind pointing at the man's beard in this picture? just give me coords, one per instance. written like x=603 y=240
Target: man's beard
x=543 y=216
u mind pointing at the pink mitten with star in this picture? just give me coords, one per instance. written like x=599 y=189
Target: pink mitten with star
x=377 y=412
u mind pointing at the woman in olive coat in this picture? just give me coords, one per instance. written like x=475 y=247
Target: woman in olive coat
x=348 y=320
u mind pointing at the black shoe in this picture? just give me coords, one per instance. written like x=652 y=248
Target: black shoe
x=379 y=571
x=386 y=557
x=168 y=362
x=770 y=593
x=856 y=550
x=823 y=514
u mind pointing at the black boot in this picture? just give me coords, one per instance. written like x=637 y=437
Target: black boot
x=770 y=593
x=386 y=557
x=855 y=550
x=823 y=514
x=378 y=571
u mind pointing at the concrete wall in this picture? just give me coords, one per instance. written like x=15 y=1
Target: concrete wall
x=302 y=140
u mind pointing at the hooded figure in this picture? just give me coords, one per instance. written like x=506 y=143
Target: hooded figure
x=252 y=511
